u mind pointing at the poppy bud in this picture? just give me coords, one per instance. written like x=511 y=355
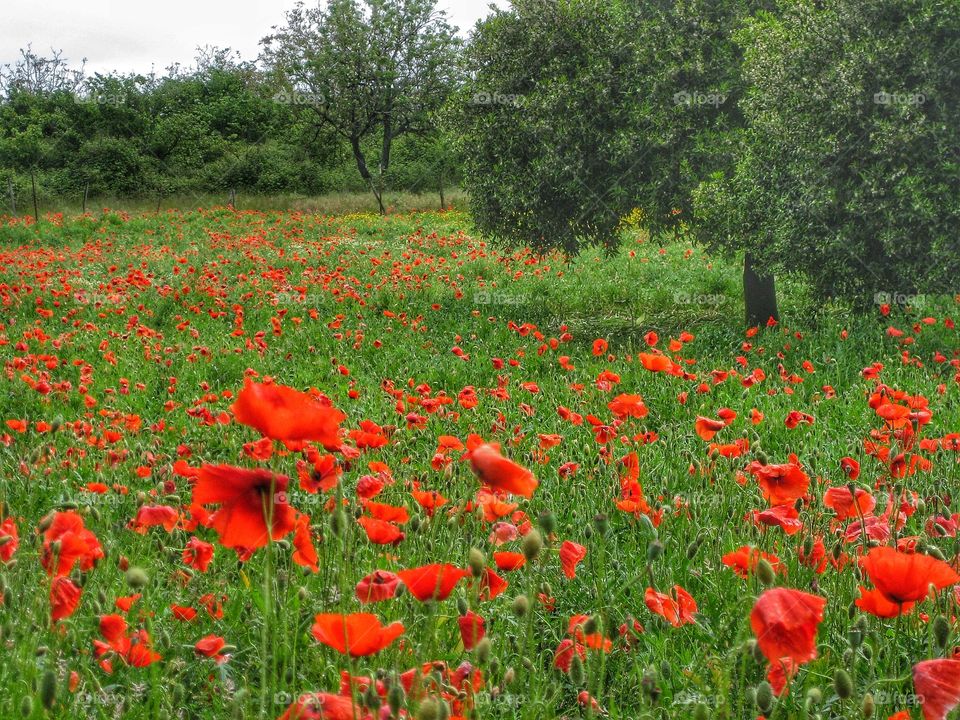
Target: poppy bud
x=868 y=706
x=56 y=424
x=509 y=676
x=591 y=625
x=701 y=712
x=338 y=522
x=482 y=650
x=415 y=523
x=808 y=545
x=814 y=696
x=303 y=593
x=532 y=545
x=855 y=637
x=395 y=698
x=848 y=656
x=765 y=572
x=764 y=697
x=137 y=577
x=371 y=699
x=41 y=650
x=548 y=522
x=602 y=523
x=762 y=457
x=26 y=706
x=921 y=506
x=521 y=605
x=842 y=684
x=546 y=589
x=462 y=606
x=654 y=551
x=476 y=562
x=648 y=523
x=758 y=653
x=867 y=652
x=577 y=672
x=935 y=552
x=429 y=709
x=941 y=631
x=48 y=689
x=527 y=664
x=588 y=532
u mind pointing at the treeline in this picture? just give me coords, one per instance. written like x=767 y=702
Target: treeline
x=223 y=125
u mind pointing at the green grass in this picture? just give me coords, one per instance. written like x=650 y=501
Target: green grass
x=142 y=299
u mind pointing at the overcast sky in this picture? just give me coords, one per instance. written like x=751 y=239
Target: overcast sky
x=135 y=36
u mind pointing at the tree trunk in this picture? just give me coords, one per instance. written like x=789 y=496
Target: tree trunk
x=759 y=294
x=86 y=192
x=365 y=173
x=36 y=207
x=13 y=197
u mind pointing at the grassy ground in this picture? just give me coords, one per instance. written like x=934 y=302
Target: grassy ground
x=129 y=335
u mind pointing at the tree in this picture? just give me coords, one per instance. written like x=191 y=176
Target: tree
x=371 y=72
x=849 y=165
x=579 y=111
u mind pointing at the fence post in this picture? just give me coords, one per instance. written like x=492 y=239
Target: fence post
x=36 y=207
x=13 y=196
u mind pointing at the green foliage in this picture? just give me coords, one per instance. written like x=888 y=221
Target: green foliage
x=848 y=168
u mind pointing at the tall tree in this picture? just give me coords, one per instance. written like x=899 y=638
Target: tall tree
x=370 y=71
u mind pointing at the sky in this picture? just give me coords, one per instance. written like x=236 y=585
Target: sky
x=137 y=36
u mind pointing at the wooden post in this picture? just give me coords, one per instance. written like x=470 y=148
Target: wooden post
x=233 y=198
x=36 y=207
x=159 y=198
x=86 y=190
x=443 y=205
x=13 y=196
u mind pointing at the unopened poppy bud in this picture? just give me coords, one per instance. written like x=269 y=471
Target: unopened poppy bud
x=371 y=699
x=476 y=562
x=41 y=650
x=548 y=522
x=395 y=698
x=429 y=709
x=57 y=423
x=814 y=696
x=462 y=606
x=701 y=712
x=765 y=572
x=48 y=689
x=591 y=625
x=532 y=545
x=808 y=545
x=415 y=523
x=521 y=605
x=482 y=650
x=761 y=457
x=137 y=577
x=546 y=589
x=868 y=706
x=941 y=631
x=527 y=664
x=577 y=673
x=848 y=656
x=692 y=549
x=855 y=637
x=338 y=522
x=303 y=593
x=654 y=550
x=602 y=523
x=764 y=697
x=588 y=532
x=509 y=677
x=648 y=523
x=758 y=653
x=26 y=706
x=936 y=552
x=842 y=684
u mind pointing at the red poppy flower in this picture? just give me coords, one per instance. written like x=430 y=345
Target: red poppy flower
x=380 y=532
x=324 y=706
x=785 y=622
x=497 y=471
x=356 y=634
x=377 y=586
x=432 y=582
x=743 y=560
x=472 y=629
x=282 y=413
x=906 y=577
x=210 y=646
x=628 y=406
x=509 y=560
x=246 y=499
x=780 y=484
x=876 y=603
x=304 y=551
x=563 y=656
x=66 y=543
x=571 y=555
x=9 y=539
x=842 y=502
x=937 y=684
x=678 y=610
x=491 y=585
x=708 y=427
x=198 y=554
x=64 y=598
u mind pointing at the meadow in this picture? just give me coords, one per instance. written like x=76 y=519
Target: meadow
x=500 y=484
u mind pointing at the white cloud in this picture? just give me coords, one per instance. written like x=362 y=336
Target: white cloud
x=133 y=35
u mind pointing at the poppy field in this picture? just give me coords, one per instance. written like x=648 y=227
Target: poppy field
x=278 y=465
